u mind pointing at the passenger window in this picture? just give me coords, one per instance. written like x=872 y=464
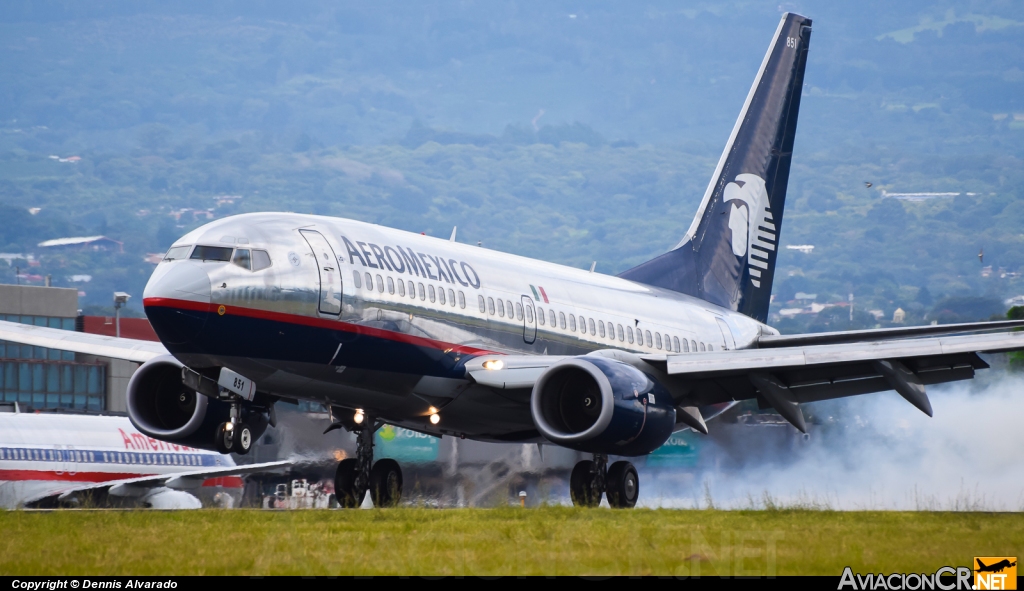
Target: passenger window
x=629 y=334
x=423 y=292
x=462 y=301
x=600 y=327
x=540 y=316
x=357 y=280
x=583 y=324
x=686 y=346
x=529 y=314
x=647 y=337
x=622 y=337
x=551 y=314
x=519 y=311
x=702 y=347
x=639 y=337
x=501 y=308
x=369 y=282
x=412 y=290
x=693 y=346
x=401 y=287
x=430 y=292
x=572 y=323
x=490 y=305
x=391 y=286
x=483 y=306
x=380 y=284
x=242 y=259
x=711 y=347
x=451 y=299
x=675 y=341
x=260 y=260
x=561 y=320
x=657 y=340
x=508 y=304
x=440 y=295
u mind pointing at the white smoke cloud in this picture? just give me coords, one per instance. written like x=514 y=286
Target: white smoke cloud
x=884 y=454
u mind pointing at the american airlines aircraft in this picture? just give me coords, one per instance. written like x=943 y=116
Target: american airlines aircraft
x=385 y=326
x=50 y=459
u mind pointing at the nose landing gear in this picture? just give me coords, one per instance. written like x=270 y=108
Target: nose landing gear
x=592 y=478
x=355 y=476
x=234 y=435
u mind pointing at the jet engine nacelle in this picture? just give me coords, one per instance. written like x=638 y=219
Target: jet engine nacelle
x=161 y=406
x=601 y=405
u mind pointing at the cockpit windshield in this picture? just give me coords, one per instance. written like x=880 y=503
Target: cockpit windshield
x=211 y=253
x=177 y=252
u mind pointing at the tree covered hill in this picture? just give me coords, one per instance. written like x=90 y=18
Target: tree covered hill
x=570 y=132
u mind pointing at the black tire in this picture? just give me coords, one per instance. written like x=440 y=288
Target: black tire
x=581 y=485
x=386 y=483
x=345 y=484
x=223 y=438
x=242 y=441
x=623 y=485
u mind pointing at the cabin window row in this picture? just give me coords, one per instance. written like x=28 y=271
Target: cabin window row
x=609 y=330
x=74 y=455
x=412 y=289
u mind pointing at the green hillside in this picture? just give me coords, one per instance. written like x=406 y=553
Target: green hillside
x=563 y=132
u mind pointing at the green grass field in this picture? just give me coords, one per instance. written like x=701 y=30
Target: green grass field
x=510 y=541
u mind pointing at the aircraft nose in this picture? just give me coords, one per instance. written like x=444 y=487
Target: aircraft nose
x=177 y=301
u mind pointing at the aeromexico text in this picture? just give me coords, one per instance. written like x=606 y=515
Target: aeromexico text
x=405 y=260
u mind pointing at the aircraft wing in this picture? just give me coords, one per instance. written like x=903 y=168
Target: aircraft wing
x=786 y=376
x=80 y=342
x=178 y=481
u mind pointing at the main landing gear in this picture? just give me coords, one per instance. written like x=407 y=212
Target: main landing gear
x=356 y=476
x=592 y=478
x=234 y=436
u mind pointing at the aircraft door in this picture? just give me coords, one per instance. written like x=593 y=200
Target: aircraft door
x=728 y=342
x=330 y=274
x=529 y=321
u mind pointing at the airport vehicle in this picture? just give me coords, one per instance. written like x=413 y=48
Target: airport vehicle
x=385 y=326
x=52 y=459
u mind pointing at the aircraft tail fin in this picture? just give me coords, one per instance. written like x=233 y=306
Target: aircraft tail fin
x=727 y=257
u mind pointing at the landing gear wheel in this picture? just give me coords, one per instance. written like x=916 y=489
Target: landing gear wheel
x=224 y=438
x=623 y=485
x=345 y=484
x=581 y=485
x=386 y=483
x=242 y=441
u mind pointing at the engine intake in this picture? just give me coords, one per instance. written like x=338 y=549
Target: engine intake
x=602 y=405
x=161 y=406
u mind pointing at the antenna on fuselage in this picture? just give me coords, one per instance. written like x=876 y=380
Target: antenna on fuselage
x=593 y=266
x=452 y=239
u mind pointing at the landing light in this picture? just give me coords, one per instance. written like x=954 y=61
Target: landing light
x=494 y=364
x=435 y=419
x=229 y=426
x=358 y=418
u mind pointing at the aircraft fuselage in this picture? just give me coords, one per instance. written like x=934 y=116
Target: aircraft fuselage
x=357 y=315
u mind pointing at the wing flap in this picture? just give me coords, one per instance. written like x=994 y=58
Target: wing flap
x=742 y=361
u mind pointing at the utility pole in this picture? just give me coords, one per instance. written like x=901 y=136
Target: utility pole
x=120 y=299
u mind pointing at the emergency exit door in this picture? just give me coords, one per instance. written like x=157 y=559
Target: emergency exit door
x=327 y=267
x=529 y=321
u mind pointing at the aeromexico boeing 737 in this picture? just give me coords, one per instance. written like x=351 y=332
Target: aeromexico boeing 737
x=385 y=326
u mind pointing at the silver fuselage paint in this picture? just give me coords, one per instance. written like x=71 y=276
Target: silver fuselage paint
x=302 y=285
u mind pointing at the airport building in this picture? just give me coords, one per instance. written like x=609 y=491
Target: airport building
x=39 y=378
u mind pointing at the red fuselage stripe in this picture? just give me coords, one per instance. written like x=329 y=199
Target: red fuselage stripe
x=49 y=476
x=314 y=322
